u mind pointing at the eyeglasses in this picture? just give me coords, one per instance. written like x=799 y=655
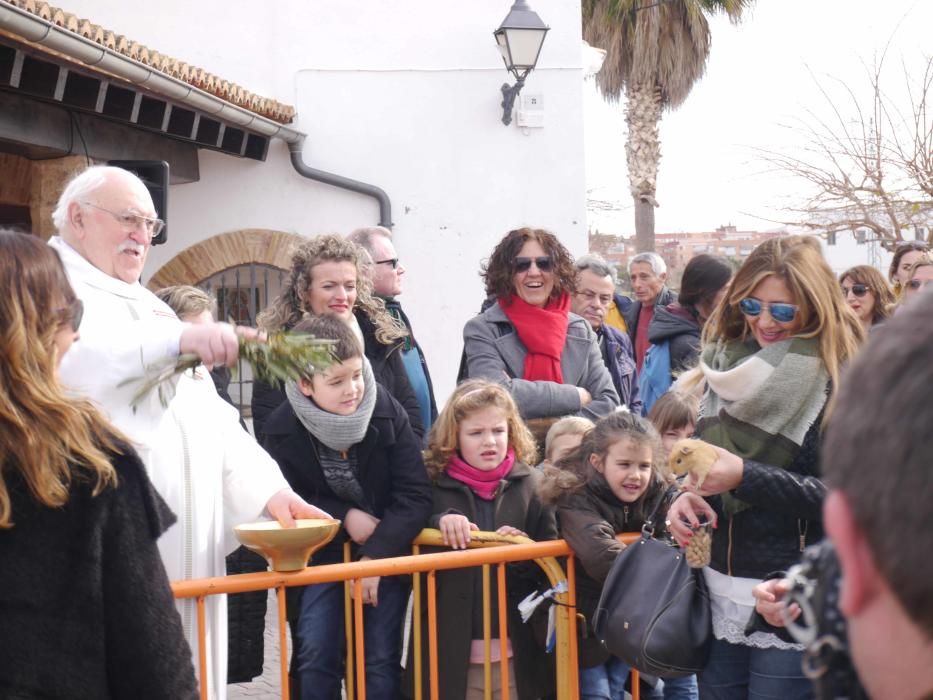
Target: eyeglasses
x=389 y=261
x=133 y=222
x=543 y=263
x=592 y=297
x=782 y=313
x=858 y=290
x=915 y=284
x=72 y=314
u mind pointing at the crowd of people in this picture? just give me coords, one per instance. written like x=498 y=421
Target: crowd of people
x=808 y=386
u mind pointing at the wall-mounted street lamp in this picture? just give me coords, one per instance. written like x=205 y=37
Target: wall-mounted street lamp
x=520 y=37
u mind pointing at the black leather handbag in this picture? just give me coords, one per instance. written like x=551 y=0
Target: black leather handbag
x=654 y=610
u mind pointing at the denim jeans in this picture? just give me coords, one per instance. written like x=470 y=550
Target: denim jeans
x=607 y=682
x=321 y=640
x=735 y=671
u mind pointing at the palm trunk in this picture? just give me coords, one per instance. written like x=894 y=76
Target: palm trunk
x=643 y=154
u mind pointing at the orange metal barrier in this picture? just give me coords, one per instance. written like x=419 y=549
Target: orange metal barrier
x=485 y=549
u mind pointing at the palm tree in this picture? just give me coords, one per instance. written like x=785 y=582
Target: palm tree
x=655 y=51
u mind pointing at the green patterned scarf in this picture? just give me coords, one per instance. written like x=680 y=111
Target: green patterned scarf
x=760 y=402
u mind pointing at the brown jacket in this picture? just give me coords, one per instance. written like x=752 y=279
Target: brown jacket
x=590 y=519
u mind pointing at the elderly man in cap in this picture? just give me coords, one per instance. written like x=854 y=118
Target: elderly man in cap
x=387 y=284
x=208 y=469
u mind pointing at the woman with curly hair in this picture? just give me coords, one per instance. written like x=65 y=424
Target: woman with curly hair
x=528 y=340
x=330 y=276
x=867 y=294
x=85 y=601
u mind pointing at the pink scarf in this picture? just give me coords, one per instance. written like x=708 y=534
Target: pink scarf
x=482 y=483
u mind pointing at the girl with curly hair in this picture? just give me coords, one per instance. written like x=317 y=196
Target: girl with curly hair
x=479 y=457
x=529 y=342
x=330 y=275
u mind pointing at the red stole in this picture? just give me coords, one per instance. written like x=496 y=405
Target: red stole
x=543 y=332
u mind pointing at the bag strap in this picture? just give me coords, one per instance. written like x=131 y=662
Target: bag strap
x=647 y=530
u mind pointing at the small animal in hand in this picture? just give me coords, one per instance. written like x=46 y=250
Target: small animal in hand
x=694 y=456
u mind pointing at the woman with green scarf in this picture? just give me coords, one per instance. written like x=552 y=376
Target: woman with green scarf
x=772 y=355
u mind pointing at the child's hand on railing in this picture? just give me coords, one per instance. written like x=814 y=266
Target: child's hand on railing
x=455 y=530
x=510 y=531
x=359 y=525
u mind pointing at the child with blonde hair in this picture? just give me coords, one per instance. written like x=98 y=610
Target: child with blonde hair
x=478 y=456
x=564 y=437
x=608 y=485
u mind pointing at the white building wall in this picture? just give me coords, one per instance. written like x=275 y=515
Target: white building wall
x=846 y=252
x=403 y=94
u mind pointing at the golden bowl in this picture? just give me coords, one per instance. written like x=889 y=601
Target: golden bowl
x=287 y=548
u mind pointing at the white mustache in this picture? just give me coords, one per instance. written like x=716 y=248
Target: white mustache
x=131 y=246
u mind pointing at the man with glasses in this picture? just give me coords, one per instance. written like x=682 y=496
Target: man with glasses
x=212 y=474
x=591 y=300
x=387 y=284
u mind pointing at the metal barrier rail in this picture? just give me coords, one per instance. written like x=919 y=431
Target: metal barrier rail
x=485 y=549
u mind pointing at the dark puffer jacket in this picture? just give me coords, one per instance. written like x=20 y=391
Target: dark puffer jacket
x=681 y=329
x=589 y=520
x=786 y=514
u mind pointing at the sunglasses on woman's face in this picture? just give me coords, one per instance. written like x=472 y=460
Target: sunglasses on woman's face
x=858 y=290
x=782 y=313
x=916 y=285
x=543 y=263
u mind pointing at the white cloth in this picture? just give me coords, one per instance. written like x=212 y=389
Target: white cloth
x=731 y=605
x=209 y=470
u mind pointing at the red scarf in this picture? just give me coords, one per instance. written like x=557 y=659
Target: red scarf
x=482 y=483
x=543 y=332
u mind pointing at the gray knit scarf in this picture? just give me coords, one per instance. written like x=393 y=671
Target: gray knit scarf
x=337 y=432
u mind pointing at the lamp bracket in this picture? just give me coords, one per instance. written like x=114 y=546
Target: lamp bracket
x=509 y=93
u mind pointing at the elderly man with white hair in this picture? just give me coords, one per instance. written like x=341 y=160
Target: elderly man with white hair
x=206 y=467
x=649 y=274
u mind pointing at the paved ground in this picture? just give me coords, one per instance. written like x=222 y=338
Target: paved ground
x=267 y=686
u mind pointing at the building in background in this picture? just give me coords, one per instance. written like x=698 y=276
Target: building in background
x=403 y=96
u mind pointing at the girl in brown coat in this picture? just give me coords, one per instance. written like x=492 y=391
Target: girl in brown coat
x=607 y=486
x=477 y=456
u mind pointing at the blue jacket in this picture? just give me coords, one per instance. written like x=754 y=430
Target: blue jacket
x=619 y=357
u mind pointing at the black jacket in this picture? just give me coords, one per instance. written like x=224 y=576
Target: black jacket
x=786 y=505
x=391 y=473
x=681 y=329
x=388 y=369
x=85 y=603
x=665 y=297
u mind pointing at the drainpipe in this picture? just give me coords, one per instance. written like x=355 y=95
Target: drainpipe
x=35 y=29
x=385 y=206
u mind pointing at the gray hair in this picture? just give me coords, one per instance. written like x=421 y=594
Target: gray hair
x=595 y=264
x=655 y=261
x=83 y=185
x=363 y=237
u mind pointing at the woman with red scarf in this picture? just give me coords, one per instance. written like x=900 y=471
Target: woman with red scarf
x=528 y=340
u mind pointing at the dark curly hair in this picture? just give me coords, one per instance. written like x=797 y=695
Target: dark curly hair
x=497 y=272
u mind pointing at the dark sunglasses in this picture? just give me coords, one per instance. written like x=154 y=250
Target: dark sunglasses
x=858 y=290
x=389 y=261
x=543 y=263
x=782 y=313
x=73 y=314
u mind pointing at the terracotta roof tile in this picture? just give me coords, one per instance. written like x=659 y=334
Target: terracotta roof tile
x=198 y=77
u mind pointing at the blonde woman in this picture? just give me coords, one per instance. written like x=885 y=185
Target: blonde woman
x=86 y=606
x=772 y=357
x=919 y=275
x=330 y=275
